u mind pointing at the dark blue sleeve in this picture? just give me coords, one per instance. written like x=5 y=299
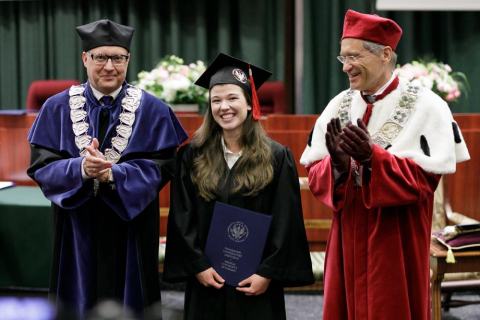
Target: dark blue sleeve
x=138 y=182
x=59 y=177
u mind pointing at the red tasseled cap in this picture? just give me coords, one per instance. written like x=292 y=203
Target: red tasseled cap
x=256 y=104
x=229 y=70
x=372 y=28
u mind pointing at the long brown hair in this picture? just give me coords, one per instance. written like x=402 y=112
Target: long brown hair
x=253 y=170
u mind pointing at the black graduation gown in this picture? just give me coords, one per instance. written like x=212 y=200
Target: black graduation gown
x=286 y=258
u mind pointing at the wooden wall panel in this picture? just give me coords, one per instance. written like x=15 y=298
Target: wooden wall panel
x=314 y=212
x=17 y=121
x=293 y=131
x=15 y=149
x=462 y=189
x=291 y=122
x=190 y=123
x=15 y=155
x=296 y=141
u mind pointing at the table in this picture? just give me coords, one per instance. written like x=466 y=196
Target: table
x=467 y=261
x=25 y=238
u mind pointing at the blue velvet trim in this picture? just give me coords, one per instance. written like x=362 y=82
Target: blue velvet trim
x=156 y=128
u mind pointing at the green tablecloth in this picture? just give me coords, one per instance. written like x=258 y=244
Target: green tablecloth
x=25 y=238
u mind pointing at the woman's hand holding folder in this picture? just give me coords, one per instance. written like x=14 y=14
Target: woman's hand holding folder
x=257 y=285
x=210 y=278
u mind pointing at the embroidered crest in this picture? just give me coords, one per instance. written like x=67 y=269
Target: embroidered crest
x=240 y=75
x=345 y=105
x=390 y=129
x=237 y=231
x=398 y=118
x=396 y=121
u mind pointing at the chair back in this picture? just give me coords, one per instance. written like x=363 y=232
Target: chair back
x=40 y=90
x=272 y=98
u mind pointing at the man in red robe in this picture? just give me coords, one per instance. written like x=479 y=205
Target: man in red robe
x=375 y=156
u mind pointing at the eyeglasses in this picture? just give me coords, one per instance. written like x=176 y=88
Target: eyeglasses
x=102 y=59
x=352 y=59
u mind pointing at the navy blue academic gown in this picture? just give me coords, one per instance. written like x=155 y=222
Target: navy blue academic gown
x=105 y=246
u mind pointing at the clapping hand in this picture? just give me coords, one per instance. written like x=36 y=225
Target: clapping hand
x=94 y=164
x=333 y=141
x=357 y=142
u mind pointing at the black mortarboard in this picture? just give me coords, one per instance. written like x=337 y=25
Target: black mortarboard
x=229 y=70
x=105 y=33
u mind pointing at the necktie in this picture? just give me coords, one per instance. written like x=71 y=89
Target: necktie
x=371 y=99
x=104 y=117
x=368 y=113
x=107 y=100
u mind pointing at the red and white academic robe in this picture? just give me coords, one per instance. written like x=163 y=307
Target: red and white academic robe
x=377 y=256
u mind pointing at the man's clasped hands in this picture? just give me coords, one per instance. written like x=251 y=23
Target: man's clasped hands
x=351 y=141
x=94 y=164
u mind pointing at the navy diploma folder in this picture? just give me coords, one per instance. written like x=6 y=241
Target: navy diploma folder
x=235 y=242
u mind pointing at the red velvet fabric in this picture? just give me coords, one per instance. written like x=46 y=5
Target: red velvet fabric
x=40 y=90
x=372 y=28
x=272 y=97
x=377 y=257
x=368 y=113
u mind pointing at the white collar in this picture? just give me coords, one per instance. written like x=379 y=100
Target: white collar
x=380 y=91
x=226 y=150
x=230 y=157
x=100 y=95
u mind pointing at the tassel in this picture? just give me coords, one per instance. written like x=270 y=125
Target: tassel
x=256 y=104
x=450 y=257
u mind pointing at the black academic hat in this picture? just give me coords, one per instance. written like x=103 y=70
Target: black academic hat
x=105 y=33
x=229 y=70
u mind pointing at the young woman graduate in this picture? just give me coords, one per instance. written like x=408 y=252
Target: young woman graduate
x=231 y=161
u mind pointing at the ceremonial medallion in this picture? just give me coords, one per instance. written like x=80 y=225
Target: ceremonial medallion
x=127 y=118
x=78 y=115
x=80 y=128
x=124 y=131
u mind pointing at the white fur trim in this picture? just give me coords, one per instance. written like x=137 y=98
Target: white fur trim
x=431 y=118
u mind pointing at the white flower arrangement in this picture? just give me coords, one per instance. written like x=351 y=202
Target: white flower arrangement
x=173 y=82
x=436 y=76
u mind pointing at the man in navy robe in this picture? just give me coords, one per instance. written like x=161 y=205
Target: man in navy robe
x=101 y=152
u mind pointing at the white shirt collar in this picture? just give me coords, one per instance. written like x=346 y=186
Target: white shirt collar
x=380 y=91
x=99 y=95
x=230 y=157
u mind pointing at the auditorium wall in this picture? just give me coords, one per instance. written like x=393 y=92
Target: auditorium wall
x=39 y=40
